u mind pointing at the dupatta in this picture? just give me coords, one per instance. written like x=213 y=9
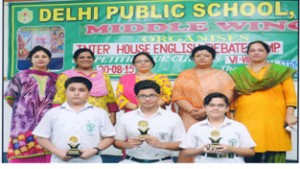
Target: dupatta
x=247 y=84
x=99 y=85
x=128 y=82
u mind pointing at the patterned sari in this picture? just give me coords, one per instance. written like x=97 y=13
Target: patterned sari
x=102 y=94
x=125 y=92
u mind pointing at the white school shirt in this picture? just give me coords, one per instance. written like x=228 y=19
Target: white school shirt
x=88 y=125
x=231 y=132
x=164 y=125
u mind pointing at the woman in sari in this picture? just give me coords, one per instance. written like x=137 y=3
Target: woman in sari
x=101 y=95
x=143 y=62
x=30 y=94
x=193 y=85
x=266 y=100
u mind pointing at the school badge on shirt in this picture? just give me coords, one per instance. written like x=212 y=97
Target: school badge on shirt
x=90 y=128
x=163 y=136
x=232 y=142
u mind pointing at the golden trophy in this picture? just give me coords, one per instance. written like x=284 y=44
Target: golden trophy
x=73 y=152
x=215 y=139
x=143 y=128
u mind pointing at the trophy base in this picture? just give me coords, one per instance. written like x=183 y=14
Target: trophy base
x=144 y=136
x=74 y=153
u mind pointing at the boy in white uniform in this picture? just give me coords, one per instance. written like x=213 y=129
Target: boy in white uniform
x=218 y=139
x=149 y=133
x=75 y=125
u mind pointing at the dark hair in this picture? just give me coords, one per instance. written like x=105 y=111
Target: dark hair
x=79 y=79
x=210 y=96
x=146 y=84
x=39 y=48
x=147 y=55
x=203 y=47
x=81 y=50
x=266 y=46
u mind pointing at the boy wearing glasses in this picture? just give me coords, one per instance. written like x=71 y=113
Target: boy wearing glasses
x=149 y=133
x=217 y=139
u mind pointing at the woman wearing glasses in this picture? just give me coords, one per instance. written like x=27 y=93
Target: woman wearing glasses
x=143 y=62
x=192 y=85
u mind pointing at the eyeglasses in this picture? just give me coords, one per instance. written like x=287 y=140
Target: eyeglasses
x=141 y=61
x=150 y=96
x=217 y=105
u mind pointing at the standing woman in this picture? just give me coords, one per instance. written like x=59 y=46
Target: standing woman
x=143 y=62
x=101 y=94
x=193 y=85
x=30 y=94
x=266 y=101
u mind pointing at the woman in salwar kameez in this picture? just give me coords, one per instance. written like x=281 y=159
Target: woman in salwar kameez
x=30 y=94
x=266 y=100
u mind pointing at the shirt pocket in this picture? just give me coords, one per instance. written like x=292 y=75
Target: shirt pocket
x=164 y=136
x=90 y=128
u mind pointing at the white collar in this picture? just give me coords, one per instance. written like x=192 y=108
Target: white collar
x=225 y=122
x=66 y=106
x=158 y=112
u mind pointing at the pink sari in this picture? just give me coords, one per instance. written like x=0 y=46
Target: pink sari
x=99 y=85
x=128 y=81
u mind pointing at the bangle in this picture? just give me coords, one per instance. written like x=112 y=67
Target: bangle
x=98 y=150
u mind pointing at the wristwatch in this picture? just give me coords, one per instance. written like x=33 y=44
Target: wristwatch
x=98 y=150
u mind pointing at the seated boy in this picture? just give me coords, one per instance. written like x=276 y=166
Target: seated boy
x=76 y=127
x=217 y=139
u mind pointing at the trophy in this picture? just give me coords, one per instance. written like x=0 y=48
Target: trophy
x=215 y=139
x=73 y=152
x=143 y=128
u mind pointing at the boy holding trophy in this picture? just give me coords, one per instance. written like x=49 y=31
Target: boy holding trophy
x=76 y=131
x=217 y=139
x=149 y=133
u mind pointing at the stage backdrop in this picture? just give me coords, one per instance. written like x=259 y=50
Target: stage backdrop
x=168 y=30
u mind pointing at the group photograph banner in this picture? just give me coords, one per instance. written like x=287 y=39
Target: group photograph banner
x=168 y=30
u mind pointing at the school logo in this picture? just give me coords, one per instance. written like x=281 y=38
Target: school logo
x=232 y=141
x=25 y=15
x=90 y=128
x=163 y=136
